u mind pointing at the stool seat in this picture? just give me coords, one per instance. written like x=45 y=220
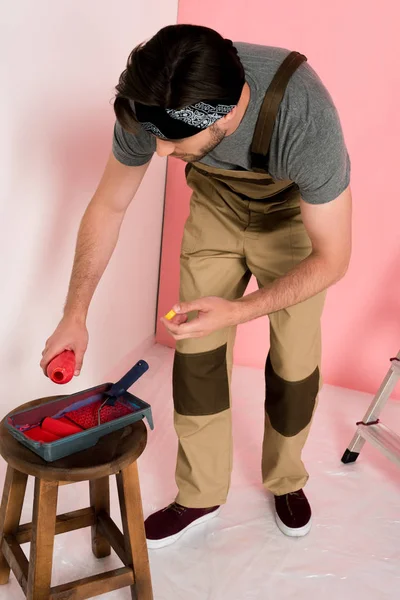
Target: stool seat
x=114 y=454
x=111 y=454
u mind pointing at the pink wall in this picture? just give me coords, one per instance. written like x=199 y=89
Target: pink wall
x=354 y=46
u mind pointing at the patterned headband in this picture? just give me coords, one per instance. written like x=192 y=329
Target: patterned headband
x=176 y=124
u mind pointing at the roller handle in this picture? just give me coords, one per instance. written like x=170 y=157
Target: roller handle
x=62 y=368
x=121 y=386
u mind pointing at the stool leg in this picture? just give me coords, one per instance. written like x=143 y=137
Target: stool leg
x=10 y=512
x=43 y=530
x=100 y=501
x=133 y=526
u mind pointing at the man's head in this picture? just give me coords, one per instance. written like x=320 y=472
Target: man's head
x=182 y=86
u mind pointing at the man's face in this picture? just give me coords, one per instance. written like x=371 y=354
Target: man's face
x=193 y=148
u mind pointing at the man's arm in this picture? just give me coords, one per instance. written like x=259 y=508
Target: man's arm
x=97 y=238
x=99 y=231
x=329 y=228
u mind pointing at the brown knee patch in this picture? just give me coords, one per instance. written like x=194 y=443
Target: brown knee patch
x=200 y=383
x=290 y=404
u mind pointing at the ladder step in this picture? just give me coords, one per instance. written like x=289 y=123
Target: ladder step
x=380 y=436
x=396 y=366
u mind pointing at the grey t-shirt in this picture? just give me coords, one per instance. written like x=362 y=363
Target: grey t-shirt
x=307 y=145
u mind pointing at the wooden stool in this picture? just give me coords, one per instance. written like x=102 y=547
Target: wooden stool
x=116 y=454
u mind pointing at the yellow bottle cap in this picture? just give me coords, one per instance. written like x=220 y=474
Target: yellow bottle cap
x=170 y=315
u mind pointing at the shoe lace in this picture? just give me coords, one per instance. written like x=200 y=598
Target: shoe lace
x=297 y=494
x=176 y=508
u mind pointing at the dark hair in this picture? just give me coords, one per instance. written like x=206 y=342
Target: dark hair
x=180 y=65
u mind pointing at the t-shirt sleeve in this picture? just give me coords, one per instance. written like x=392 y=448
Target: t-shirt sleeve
x=318 y=160
x=131 y=149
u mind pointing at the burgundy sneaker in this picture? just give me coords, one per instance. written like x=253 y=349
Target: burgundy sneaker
x=167 y=525
x=293 y=514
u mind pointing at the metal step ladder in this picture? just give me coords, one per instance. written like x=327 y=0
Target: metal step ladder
x=370 y=429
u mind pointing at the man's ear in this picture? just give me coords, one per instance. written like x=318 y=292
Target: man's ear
x=227 y=118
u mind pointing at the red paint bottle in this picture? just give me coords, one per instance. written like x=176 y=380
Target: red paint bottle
x=61 y=369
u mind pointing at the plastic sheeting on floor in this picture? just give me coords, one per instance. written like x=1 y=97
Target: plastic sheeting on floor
x=352 y=551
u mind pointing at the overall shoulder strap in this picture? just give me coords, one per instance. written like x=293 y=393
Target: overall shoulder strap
x=269 y=110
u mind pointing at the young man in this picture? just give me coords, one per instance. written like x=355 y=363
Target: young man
x=269 y=172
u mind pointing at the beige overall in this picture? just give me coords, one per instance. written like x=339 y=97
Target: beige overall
x=244 y=223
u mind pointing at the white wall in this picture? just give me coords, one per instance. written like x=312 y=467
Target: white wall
x=59 y=63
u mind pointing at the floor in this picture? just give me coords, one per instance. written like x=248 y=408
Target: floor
x=352 y=550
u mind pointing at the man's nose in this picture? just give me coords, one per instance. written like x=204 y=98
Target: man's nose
x=164 y=148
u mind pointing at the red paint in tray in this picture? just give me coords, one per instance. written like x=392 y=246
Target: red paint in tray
x=77 y=421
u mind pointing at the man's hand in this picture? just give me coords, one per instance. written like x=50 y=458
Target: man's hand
x=213 y=314
x=70 y=335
